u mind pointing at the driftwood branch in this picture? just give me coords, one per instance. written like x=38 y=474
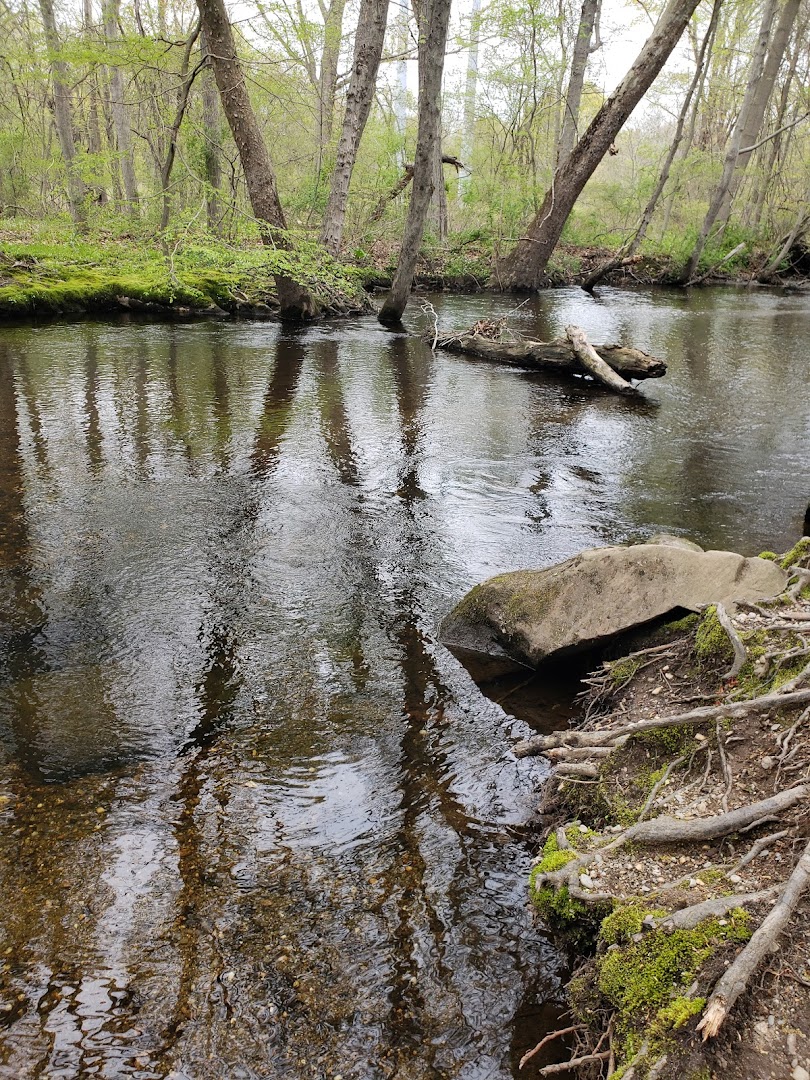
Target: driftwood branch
x=593 y=362
x=574 y=1063
x=557 y=355
x=669 y=830
x=734 y=982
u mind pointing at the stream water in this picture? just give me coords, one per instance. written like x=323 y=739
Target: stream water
x=255 y=821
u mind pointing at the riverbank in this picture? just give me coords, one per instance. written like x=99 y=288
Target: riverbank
x=212 y=278
x=41 y=276
x=676 y=855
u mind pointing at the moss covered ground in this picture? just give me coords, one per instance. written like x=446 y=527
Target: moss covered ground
x=47 y=276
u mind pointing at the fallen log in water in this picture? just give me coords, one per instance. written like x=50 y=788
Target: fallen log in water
x=555 y=355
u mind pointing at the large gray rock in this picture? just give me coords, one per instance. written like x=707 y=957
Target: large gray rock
x=530 y=615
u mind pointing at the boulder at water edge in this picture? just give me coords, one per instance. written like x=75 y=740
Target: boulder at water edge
x=531 y=615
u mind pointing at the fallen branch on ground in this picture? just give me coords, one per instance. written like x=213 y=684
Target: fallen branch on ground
x=687 y=918
x=548 y=1038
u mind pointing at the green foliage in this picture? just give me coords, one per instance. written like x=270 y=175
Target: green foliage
x=679 y=1012
x=682 y=626
x=623 y=671
x=669 y=739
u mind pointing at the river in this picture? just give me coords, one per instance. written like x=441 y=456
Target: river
x=255 y=821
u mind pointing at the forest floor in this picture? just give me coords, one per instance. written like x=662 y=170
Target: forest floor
x=42 y=275
x=677 y=851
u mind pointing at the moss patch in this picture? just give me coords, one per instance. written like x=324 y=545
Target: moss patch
x=796 y=554
x=84 y=276
x=711 y=641
x=643 y=977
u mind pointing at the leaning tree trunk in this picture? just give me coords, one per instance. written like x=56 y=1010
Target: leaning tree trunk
x=93 y=121
x=260 y=178
x=368 y=46
x=734 y=143
x=576 y=81
x=76 y=192
x=432 y=40
x=628 y=250
x=755 y=115
x=524 y=268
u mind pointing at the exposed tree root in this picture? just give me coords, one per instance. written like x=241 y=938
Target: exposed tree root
x=538 y=744
x=734 y=982
x=668 y=830
x=687 y=918
x=740 y=652
x=545 y=1041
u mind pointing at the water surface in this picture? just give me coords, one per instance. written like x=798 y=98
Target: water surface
x=254 y=819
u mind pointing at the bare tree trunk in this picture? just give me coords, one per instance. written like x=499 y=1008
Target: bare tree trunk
x=327 y=79
x=757 y=203
x=628 y=250
x=182 y=101
x=401 y=91
x=579 y=62
x=368 y=46
x=432 y=41
x=120 y=113
x=212 y=134
x=523 y=269
x=93 y=122
x=260 y=178
x=470 y=91
x=734 y=143
x=76 y=192
x=755 y=115
x=438 y=215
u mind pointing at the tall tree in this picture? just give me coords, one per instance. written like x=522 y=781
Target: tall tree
x=328 y=74
x=211 y=124
x=368 y=46
x=588 y=21
x=119 y=111
x=260 y=178
x=754 y=117
x=524 y=268
x=63 y=118
x=628 y=250
x=470 y=92
x=720 y=194
x=433 y=28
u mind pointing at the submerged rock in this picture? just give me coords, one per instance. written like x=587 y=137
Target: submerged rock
x=531 y=615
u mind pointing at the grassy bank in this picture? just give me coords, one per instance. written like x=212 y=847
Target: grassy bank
x=48 y=276
x=45 y=270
